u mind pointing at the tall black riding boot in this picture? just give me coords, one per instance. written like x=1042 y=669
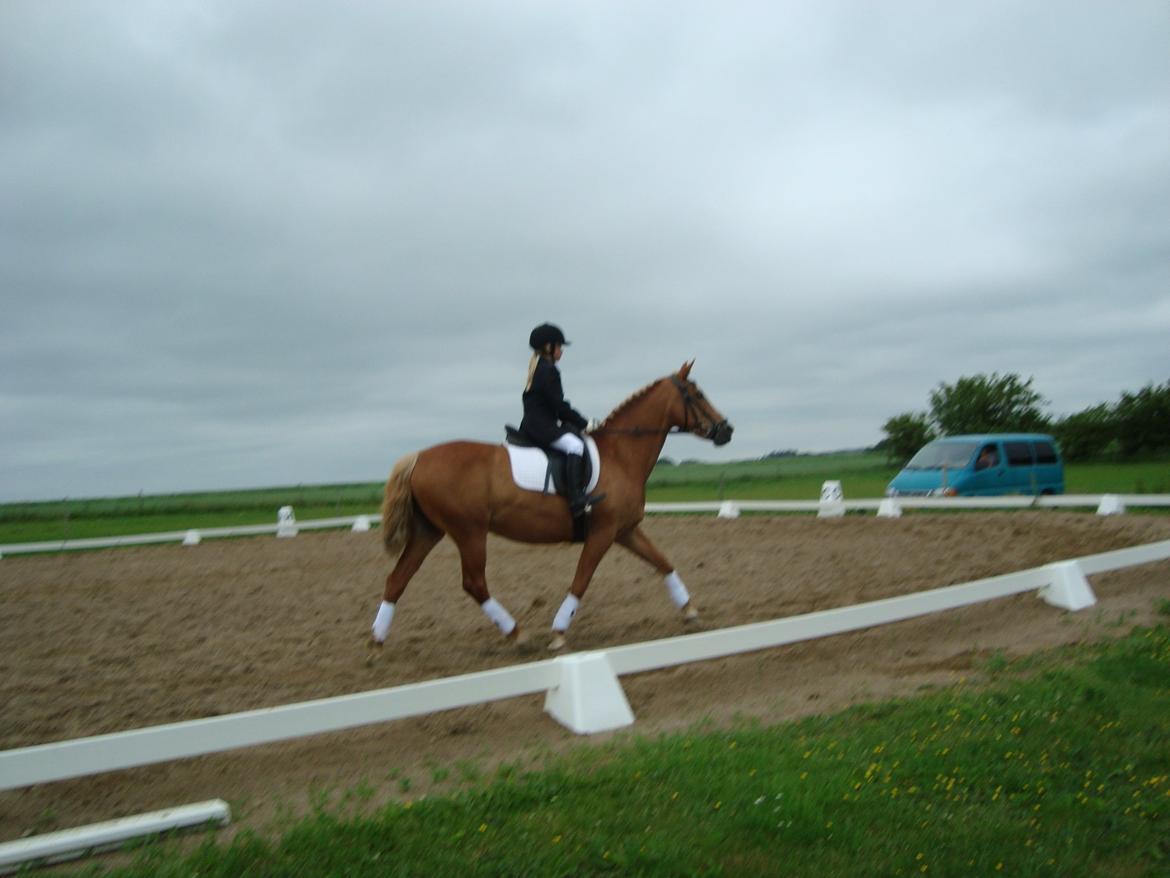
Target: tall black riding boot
x=579 y=502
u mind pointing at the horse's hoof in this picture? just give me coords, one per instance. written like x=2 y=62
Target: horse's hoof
x=690 y=614
x=517 y=637
x=373 y=653
x=557 y=643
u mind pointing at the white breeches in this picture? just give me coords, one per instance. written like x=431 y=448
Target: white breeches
x=570 y=444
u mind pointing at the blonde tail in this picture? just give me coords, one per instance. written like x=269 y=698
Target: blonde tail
x=398 y=506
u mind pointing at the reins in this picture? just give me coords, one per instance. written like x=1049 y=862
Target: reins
x=688 y=405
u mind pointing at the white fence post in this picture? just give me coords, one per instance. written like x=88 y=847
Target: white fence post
x=588 y=698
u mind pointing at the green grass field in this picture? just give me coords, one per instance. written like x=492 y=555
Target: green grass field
x=862 y=475
x=1059 y=767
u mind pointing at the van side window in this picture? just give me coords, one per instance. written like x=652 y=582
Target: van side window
x=988 y=457
x=1045 y=452
x=1018 y=453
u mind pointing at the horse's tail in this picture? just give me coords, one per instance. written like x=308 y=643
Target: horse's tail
x=398 y=506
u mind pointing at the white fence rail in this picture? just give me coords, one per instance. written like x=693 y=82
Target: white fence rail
x=722 y=507
x=581 y=691
x=1046 y=501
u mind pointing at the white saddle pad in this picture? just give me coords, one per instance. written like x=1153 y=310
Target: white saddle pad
x=530 y=467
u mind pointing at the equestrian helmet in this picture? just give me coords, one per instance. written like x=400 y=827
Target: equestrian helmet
x=544 y=335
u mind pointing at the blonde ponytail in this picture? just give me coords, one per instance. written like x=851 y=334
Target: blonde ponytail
x=536 y=357
x=531 y=370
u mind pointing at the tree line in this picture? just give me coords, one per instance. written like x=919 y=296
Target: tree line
x=1136 y=424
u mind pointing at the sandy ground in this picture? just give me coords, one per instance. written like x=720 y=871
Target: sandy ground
x=114 y=640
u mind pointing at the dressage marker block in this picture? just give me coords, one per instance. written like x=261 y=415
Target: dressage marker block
x=589 y=697
x=361 y=524
x=832 y=503
x=1111 y=505
x=286 y=522
x=889 y=508
x=1069 y=589
x=192 y=538
x=727 y=509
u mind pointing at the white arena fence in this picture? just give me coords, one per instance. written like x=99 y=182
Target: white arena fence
x=581 y=690
x=287 y=526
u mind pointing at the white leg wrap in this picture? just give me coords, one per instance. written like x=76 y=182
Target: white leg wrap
x=565 y=614
x=382 y=621
x=678 y=592
x=503 y=619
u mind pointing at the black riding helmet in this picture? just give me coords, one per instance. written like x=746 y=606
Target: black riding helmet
x=544 y=335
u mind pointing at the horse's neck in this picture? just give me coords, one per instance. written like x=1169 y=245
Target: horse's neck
x=636 y=433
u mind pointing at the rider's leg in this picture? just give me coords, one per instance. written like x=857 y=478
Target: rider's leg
x=574 y=449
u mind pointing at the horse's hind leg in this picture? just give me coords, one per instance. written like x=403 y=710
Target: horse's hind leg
x=418 y=546
x=638 y=543
x=473 y=557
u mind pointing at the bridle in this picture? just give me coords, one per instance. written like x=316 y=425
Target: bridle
x=718 y=432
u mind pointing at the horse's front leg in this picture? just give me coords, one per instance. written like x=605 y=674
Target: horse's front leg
x=638 y=543
x=596 y=545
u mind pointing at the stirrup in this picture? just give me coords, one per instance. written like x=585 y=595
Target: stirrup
x=583 y=504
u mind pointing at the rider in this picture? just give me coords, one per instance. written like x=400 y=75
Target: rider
x=547 y=412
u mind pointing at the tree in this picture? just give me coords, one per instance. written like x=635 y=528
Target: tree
x=987 y=404
x=1086 y=434
x=1143 y=420
x=905 y=434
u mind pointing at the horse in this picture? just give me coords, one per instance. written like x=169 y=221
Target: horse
x=465 y=490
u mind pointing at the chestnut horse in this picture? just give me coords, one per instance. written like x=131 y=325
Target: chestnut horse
x=465 y=490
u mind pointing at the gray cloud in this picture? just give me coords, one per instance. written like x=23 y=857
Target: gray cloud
x=259 y=244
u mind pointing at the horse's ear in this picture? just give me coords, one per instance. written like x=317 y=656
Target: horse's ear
x=686 y=369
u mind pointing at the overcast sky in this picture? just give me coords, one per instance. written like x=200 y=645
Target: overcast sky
x=267 y=243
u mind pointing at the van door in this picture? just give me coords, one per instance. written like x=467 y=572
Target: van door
x=1049 y=468
x=990 y=472
x=1021 y=468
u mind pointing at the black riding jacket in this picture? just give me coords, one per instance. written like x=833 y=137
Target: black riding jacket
x=545 y=408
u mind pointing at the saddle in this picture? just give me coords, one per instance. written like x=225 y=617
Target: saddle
x=537 y=469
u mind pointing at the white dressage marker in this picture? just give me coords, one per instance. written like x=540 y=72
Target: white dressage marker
x=286 y=522
x=1111 y=505
x=832 y=503
x=588 y=698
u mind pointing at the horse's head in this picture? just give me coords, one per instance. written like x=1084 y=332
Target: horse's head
x=698 y=416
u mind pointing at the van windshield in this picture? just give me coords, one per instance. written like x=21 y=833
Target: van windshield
x=936 y=455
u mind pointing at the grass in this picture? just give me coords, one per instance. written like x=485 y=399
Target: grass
x=1061 y=766
x=862 y=474
x=1137 y=477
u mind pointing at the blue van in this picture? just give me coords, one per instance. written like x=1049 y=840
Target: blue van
x=981 y=466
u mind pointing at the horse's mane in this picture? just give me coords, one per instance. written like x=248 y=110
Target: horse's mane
x=630 y=400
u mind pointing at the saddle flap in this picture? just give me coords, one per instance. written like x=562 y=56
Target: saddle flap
x=535 y=470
